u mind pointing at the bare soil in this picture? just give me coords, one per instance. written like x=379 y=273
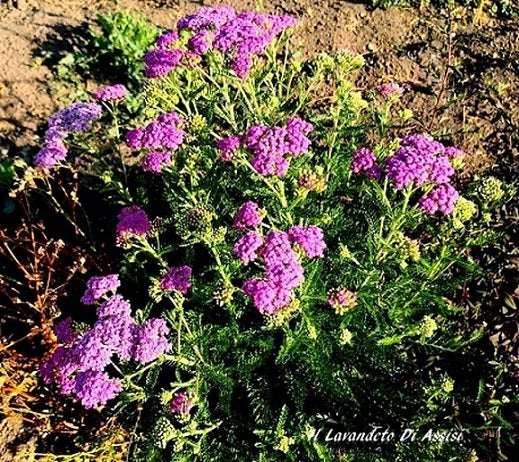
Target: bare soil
x=460 y=67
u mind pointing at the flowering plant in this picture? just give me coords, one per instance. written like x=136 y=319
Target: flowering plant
x=285 y=268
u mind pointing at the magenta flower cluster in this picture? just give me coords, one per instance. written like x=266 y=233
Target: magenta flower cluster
x=418 y=161
x=248 y=216
x=132 y=221
x=78 y=365
x=111 y=93
x=271 y=147
x=73 y=119
x=98 y=286
x=240 y=36
x=389 y=89
x=342 y=300
x=180 y=404
x=177 y=278
x=158 y=139
x=364 y=161
x=283 y=270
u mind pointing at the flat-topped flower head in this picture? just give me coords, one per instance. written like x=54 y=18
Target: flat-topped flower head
x=160 y=62
x=246 y=249
x=151 y=341
x=342 y=300
x=50 y=155
x=133 y=221
x=111 y=93
x=177 y=278
x=248 y=216
x=180 y=404
x=441 y=199
x=166 y=39
x=155 y=161
x=98 y=286
x=310 y=239
x=228 y=147
x=363 y=160
x=77 y=117
x=96 y=388
x=161 y=134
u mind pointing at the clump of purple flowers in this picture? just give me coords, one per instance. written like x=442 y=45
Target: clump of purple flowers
x=364 y=161
x=177 y=278
x=111 y=93
x=246 y=249
x=78 y=364
x=241 y=37
x=418 y=161
x=180 y=404
x=73 y=119
x=248 y=216
x=442 y=198
x=159 y=138
x=283 y=270
x=271 y=147
x=132 y=221
x=98 y=286
x=389 y=89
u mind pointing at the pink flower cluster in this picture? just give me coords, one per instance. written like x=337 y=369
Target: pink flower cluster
x=442 y=199
x=241 y=36
x=365 y=161
x=389 y=89
x=132 y=221
x=271 y=147
x=177 y=278
x=73 y=119
x=180 y=404
x=78 y=364
x=418 y=161
x=111 y=93
x=99 y=286
x=159 y=138
x=283 y=271
x=248 y=216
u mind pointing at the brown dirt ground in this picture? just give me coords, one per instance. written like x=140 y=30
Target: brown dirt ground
x=461 y=68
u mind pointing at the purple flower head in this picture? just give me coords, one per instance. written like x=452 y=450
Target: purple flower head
x=414 y=161
x=132 y=221
x=161 y=62
x=363 y=160
x=246 y=35
x=228 y=146
x=167 y=38
x=98 y=286
x=134 y=138
x=268 y=297
x=116 y=305
x=207 y=18
x=248 y=216
x=310 y=238
x=59 y=367
x=389 y=89
x=65 y=333
x=281 y=262
x=177 y=278
x=200 y=42
x=162 y=133
x=246 y=249
x=451 y=152
x=151 y=341
x=110 y=93
x=55 y=136
x=116 y=333
x=180 y=404
x=155 y=161
x=94 y=388
x=77 y=117
x=441 y=171
x=50 y=155
x=92 y=352
x=297 y=125
x=442 y=198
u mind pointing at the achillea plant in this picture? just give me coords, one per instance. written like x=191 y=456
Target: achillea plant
x=282 y=274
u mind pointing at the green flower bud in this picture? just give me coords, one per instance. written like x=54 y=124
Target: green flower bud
x=490 y=189
x=427 y=327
